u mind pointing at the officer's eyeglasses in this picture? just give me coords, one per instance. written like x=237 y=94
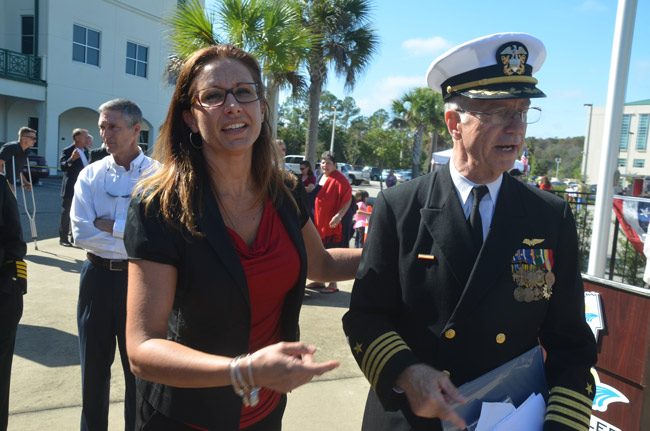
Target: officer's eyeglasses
x=501 y=117
x=212 y=97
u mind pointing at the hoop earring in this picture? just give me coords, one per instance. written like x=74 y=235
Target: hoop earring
x=196 y=146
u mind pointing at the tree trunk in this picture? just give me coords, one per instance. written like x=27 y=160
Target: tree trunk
x=315 y=89
x=434 y=148
x=272 y=98
x=417 y=151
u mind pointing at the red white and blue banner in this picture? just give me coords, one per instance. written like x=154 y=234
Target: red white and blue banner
x=633 y=215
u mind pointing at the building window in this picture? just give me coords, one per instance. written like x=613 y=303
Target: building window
x=642 y=132
x=625 y=132
x=144 y=137
x=136 y=59
x=622 y=163
x=32 y=123
x=85 y=45
x=27 y=34
x=638 y=163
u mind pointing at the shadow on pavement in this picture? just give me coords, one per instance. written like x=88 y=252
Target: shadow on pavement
x=47 y=346
x=339 y=299
x=64 y=264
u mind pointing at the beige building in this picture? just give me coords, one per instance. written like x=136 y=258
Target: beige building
x=61 y=59
x=633 y=154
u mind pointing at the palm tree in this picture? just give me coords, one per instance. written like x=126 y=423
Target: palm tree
x=344 y=40
x=269 y=29
x=421 y=110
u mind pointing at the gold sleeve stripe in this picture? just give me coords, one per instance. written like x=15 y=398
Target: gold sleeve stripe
x=571 y=413
x=21 y=264
x=568 y=392
x=380 y=368
x=376 y=366
x=21 y=271
x=371 y=350
x=20 y=275
x=558 y=399
x=564 y=421
x=378 y=352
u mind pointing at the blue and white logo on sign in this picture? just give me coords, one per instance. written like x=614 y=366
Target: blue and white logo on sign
x=594 y=313
x=605 y=394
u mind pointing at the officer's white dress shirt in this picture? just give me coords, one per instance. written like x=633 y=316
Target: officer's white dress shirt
x=464 y=188
x=103 y=190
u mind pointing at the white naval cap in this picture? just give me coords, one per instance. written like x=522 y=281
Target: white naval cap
x=497 y=66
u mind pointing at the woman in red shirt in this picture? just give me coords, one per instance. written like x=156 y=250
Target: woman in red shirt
x=220 y=239
x=331 y=204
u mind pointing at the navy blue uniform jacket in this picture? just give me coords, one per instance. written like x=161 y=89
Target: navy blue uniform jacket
x=469 y=315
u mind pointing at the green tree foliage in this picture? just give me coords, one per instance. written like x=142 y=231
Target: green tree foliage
x=542 y=154
x=269 y=29
x=421 y=111
x=344 y=41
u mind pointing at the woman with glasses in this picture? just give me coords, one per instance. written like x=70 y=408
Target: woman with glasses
x=220 y=239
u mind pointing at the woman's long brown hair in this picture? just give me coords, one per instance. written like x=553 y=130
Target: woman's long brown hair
x=178 y=184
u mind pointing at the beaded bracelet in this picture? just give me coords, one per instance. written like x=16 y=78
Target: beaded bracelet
x=246 y=390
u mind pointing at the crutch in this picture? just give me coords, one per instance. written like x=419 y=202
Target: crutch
x=30 y=215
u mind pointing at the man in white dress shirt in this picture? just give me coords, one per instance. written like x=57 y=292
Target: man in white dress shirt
x=99 y=208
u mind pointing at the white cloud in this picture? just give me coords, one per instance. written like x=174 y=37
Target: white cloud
x=433 y=45
x=387 y=90
x=592 y=6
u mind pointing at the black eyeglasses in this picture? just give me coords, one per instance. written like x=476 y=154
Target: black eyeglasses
x=244 y=92
x=115 y=183
x=501 y=117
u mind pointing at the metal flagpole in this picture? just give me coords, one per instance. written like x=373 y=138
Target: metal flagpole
x=618 y=71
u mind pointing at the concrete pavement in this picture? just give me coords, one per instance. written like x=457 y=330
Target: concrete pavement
x=46 y=377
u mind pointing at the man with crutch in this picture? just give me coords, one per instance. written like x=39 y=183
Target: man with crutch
x=13 y=157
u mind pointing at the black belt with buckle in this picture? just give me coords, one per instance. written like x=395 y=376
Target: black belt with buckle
x=110 y=264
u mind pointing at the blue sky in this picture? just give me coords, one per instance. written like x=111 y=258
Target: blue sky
x=578 y=35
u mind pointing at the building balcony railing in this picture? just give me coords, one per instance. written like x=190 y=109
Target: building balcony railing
x=20 y=67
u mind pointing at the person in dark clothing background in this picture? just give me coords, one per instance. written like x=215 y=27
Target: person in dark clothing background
x=13 y=284
x=73 y=159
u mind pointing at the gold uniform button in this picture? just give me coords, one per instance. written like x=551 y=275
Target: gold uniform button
x=501 y=338
x=447 y=372
x=450 y=334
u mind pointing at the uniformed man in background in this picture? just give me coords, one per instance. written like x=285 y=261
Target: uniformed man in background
x=13 y=285
x=466 y=268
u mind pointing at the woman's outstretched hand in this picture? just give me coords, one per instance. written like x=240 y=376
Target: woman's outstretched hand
x=286 y=365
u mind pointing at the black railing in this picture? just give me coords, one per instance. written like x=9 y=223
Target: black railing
x=20 y=67
x=625 y=264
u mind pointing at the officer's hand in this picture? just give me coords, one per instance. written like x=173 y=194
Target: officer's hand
x=431 y=394
x=74 y=156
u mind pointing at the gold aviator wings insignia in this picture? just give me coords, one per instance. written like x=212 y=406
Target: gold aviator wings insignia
x=532 y=242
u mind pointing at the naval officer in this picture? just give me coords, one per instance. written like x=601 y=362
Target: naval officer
x=467 y=268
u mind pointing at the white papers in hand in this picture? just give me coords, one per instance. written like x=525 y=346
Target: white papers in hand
x=492 y=414
x=528 y=416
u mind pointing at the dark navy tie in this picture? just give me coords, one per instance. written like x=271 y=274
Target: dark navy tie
x=475 y=222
